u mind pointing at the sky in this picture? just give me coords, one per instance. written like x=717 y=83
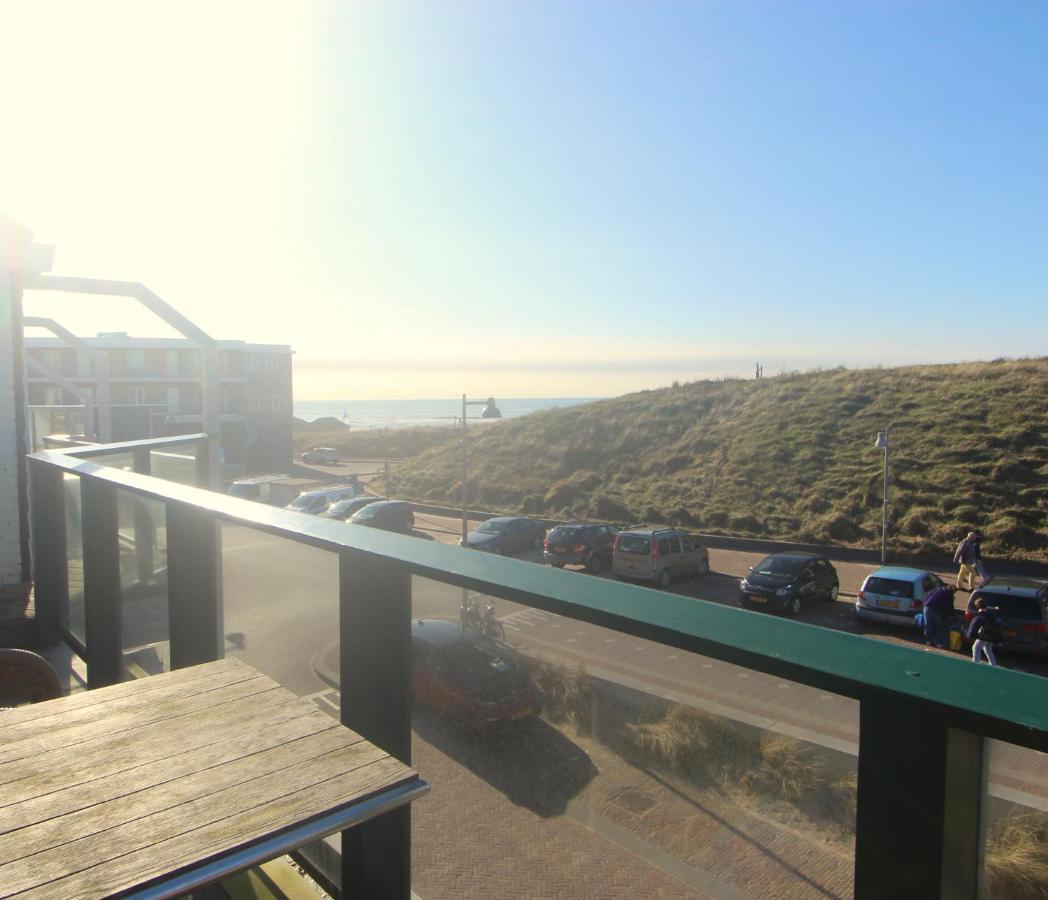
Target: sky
x=525 y=198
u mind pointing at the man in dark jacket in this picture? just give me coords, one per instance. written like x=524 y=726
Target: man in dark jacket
x=968 y=556
x=938 y=609
x=984 y=631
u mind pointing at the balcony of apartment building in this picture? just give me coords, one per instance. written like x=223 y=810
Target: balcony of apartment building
x=745 y=756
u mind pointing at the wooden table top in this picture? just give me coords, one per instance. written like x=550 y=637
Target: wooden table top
x=112 y=789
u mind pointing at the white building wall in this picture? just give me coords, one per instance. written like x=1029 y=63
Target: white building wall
x=10 y=529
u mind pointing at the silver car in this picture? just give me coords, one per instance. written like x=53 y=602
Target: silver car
x=894 y=594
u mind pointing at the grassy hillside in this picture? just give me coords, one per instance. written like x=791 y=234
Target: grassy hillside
x=789 y=457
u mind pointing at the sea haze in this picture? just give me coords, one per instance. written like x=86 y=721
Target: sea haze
x=364 y=414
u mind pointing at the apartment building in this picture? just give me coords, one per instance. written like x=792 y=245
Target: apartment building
x=155 y=390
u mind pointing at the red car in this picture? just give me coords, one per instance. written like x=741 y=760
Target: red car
x=469 y=678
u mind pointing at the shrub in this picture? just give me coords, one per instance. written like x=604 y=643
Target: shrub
x=1017 y=857
x=605 y=507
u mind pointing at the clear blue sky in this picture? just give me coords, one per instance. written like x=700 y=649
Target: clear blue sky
x=529 y=198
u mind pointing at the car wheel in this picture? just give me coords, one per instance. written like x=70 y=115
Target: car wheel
x=557 y=565
x=664 y=578
x=594 y=564
x=793 y=605
x=704 y=566
x=832 y=596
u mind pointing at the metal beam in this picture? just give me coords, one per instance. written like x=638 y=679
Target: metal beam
x=166 y=312
x=103 y=597
x=48 y=534
x=194 y=586
x=100 y=362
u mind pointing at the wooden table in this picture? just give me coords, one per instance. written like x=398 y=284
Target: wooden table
x=156 y=786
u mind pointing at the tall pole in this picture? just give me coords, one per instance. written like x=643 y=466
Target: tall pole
x=465 y=526
x=884 y=512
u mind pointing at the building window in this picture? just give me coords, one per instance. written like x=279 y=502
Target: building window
x=269 y=362
x=136 y=396
x=271 y=403
x=53 y=397
x=173 y=367
x=252 y=362
x=83 y=364
x=254 y=403
x=135 y=360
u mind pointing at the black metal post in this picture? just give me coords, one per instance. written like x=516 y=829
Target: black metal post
x=375 y=683
x=145 y=528
x=194 y=586
x=919 y=795
x=203 y=463
x=50 y=565
x=103 y=618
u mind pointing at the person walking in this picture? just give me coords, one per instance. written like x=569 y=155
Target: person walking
x=938 y=609
x=984 y=631
x=968 y=555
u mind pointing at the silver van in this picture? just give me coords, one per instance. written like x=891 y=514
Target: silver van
x=658 y=554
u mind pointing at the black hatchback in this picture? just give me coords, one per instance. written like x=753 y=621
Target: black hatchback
x=788 y=581
x=389 y=515
x=579 y=544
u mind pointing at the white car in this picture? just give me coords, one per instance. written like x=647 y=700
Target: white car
x=894 y=594
x=324 y=455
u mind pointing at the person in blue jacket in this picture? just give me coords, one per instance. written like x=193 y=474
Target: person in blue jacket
x=938 y=610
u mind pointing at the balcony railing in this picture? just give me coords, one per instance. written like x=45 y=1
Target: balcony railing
x=923 y=721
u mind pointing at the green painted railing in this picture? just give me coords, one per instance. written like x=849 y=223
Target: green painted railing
x=923 y=717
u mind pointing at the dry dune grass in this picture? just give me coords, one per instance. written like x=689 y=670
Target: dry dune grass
x=788 y=457
x=1017 y=858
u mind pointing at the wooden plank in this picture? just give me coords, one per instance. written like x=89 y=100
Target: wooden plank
x=51 y=803
x=70 y=766
x=55 y=830
x=10 y=733
x=222 y=807
x=213 y=840
x=170 y=712
x=125 y=689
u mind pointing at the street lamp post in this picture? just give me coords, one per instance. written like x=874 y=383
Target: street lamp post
x=883 y=444
x=491 y=411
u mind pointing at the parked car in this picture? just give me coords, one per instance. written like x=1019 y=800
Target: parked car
x=658 y=554
x=580 y=544
x=1024 y=604
x=894 y=594
x=324 y=455
x=318 y=500
x=506 y=534
x=389 y=515
x=473 y=680
x=345 y=509
x=789 y=581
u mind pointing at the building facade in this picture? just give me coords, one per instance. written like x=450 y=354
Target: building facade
x=155 y=391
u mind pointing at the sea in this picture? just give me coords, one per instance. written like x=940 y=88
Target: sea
x=366 y=414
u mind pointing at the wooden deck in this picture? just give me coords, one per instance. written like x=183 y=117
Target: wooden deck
x=124 y=787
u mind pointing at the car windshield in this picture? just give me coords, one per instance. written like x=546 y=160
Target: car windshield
x=1012 y=607
x=491 y=527
x=477 y=659
x=303 y=501
x=784 y=566
x=890 y=587
x=340 y=508
x=634 y=543
x=368 y=512
x=563 y=533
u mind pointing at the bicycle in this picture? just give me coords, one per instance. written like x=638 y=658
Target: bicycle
x=481 y=619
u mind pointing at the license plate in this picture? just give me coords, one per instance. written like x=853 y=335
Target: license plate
x=1006 y=632
x=890 y=604
x=755 y=599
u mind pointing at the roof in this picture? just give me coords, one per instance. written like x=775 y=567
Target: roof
x=440 y=632
x=119 y=340
x=504 y=519
x=796 y=554
x=1020 y=587
x=900 y=573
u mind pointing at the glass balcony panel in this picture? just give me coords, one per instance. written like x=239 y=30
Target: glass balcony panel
x=281 y=608
x=177 y=464
x=142 y=540
x=1015 y=823
x=72 y=617
x=650 y=771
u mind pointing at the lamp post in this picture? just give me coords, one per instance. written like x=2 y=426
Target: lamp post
x=491 y=411
x=883 y=444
